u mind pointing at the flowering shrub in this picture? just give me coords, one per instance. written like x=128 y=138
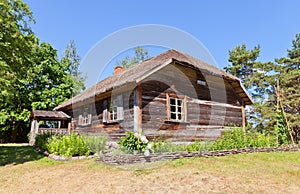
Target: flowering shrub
x=136 y=142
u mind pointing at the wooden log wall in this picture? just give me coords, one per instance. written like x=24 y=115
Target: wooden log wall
x=113 y=130
x=180 y=80
x=205 y=119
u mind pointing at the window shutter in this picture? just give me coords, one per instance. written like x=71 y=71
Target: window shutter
x=105 y=115
x=80 y=120
x=120 y=112
x=89 y=119
x=168 y=107
x=104 y=119
x=184 y=109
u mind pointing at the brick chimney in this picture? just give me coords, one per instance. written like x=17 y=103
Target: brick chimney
x=118 y=69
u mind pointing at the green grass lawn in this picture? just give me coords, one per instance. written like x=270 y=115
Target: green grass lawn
x=23 y=170
x=17 y=154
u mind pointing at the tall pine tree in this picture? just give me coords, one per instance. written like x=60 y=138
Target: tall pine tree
x=72 y=60
x=289 y=79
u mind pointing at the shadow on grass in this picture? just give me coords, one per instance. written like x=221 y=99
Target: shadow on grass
x=17 y=154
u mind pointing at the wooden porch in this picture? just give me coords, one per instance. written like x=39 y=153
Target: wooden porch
x=63 y=127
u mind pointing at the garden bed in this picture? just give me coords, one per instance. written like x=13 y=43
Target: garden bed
x=123 y=159
x=61 y=158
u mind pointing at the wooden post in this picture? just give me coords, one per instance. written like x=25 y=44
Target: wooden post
x=283 y=112
x=69 y=127
x=137 y=109
x=31 y=141
x=140 y=103
x=185 y=109
x=33 y=131
x=243 y=117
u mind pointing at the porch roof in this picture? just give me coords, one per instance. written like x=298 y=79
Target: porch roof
x=49 y=115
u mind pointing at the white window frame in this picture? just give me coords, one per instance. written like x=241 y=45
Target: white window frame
x=113 y=109
x=84 y=119
x=114 y=112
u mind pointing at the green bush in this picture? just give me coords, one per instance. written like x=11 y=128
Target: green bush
x=167 y=146
x=68 y=145
x=230 y=139
x=41 y=140
x=255 y=139
x=97 y=144
x=134 y=141
x=236 y=139
x=198 y=146
x=160 y=145
x=280 y=129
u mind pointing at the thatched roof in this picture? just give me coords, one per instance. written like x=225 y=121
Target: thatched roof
x=148 y=67
x=49 y=115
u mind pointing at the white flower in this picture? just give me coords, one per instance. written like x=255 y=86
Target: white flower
x=147 y=153
x=149 y=146
x=136 y=135
x=144 y=139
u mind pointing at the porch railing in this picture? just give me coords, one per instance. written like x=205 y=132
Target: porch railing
x=62 y=131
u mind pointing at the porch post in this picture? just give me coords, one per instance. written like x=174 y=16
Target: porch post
x=69 y=127
x=243 y=117
x=137 y=109
x=33 y=131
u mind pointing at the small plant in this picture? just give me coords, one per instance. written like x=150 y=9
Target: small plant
x=135 y=142
x=160 y=145
x=97 y=144
x=198 y=146
x=41 y=140
x=28 y=136
x=68 y=145
x=255 y=139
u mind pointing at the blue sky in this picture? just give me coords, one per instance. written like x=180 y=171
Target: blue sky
x=219 y=25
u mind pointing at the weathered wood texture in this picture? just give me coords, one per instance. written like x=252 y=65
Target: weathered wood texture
x=182 y=81
x=114 y=130
x=211 y=103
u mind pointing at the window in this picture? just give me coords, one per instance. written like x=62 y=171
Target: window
x=176 y=108
x=114 y=109
x=176 y=112
x=113 y=112
x=201 y=82
x=85 y=119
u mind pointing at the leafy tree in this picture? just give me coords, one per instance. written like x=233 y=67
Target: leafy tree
x=140 y=55
x=17 y=45
x=31 y=76
x=72 y=60
x=49 y=83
